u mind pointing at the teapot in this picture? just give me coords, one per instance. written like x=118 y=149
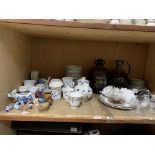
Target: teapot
x=84 y=88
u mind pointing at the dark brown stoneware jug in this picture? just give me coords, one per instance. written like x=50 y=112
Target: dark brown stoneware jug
x=98 y=76
x=119 y=76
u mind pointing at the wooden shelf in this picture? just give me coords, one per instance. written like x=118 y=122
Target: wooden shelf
x=82 y=31
x=89 y=112
x=52 y=22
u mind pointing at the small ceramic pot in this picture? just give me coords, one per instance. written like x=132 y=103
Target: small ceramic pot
x=30 y=83
x=68 y=81
x=74 y=99
x=66 y=91
x=56 y=93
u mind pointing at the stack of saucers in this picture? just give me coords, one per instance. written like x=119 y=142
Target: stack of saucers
x=74 y=71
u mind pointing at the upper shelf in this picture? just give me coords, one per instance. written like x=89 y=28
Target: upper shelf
x=82 y=31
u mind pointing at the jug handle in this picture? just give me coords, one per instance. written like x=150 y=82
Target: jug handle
x=129 y=68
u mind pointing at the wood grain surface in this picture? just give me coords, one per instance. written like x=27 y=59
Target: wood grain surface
x=57 y=29
x=89 y=112
x=98 y=24
x=150 y=68
x=50 y=56
x=14 y=66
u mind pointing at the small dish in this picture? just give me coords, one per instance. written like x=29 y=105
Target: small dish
x=123 y=106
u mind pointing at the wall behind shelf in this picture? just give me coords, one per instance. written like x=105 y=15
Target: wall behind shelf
x=150 y=68
x=51 y=55
x=14 y=66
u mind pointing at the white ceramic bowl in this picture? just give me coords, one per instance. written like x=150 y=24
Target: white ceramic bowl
x=29 y=82
x=23 y=88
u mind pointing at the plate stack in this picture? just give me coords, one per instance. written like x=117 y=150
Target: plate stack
x=74 y=71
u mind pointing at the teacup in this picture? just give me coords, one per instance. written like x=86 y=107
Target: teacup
x=29 y=83
x=55 y=83
x=56 y=93
x=75 y=99
x=66 y=91
x=68 y=81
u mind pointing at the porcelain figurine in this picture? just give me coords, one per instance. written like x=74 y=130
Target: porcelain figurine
x=84 y=88
x=24 y=97
x=74 y=99
x=9 y=107
x=13 y=94
x=66 y=90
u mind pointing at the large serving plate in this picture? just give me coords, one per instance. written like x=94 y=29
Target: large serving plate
x=106 y=101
